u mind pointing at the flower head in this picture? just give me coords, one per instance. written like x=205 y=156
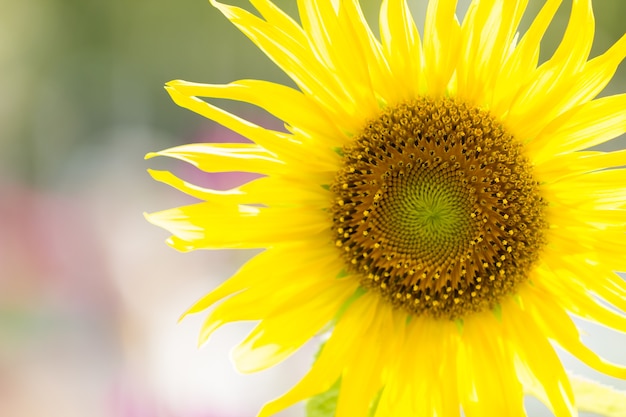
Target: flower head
x=434 y=199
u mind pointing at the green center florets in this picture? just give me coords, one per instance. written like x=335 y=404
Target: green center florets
x=429 y=214
x=437 y=209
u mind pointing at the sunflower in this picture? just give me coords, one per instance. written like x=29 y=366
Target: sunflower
x=432 y=204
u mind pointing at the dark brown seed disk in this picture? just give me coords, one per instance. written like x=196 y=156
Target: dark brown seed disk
x=436 y=209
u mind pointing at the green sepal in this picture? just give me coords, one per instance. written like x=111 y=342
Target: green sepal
x=459 y=325
x=326 y=187
x=342 y=274
x=338 y=151
x=374 y=404
x=497 y=311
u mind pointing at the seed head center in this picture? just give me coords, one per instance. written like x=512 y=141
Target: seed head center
x=437 y=210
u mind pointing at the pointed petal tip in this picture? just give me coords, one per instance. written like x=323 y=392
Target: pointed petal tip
x=178 y=244
x=147 y=216
x=160 y=175
x=153 y=218
x=207 y=331
x=173 y=83
x=249 y=359
x=201 y=342
x=269 y=409
x=172 y=90
x=194 y=309
x=182 y=316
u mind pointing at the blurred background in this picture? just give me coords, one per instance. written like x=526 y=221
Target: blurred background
x=89 y=293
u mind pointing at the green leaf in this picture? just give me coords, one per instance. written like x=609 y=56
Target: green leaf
x=324 y=404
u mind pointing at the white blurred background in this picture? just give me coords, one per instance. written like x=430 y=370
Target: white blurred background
x=89 y=293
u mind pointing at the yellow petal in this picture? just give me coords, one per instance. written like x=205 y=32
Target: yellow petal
x=587 y=125
x=345 y=339
x=402 y=48
x=338 y=35
x=377 y=74
x=359 y=383
x=209 y=226
x=427 y=384
x=488 y=31
x=559 y=326
x=536 y=357
x=522 y=61
x=482 y=343
x=594 y=186
x=609 y=287
x=282 y=144
x=269 y=191
x=240 y=307
x=260 y=286
x=442 y=34
x=574 y=297
x=260 y=272
x=295 y=56
x=598 y=399
x=541 y=100
x=573 y=246
x=246 y=157
x=578 y=87
x=292 y=322
x=570 y=166
x=283 y=102
x=233 y=196
x=276 y=17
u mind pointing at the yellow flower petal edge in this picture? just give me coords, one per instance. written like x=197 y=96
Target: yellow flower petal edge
x=599 y=399
x=433 y=205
